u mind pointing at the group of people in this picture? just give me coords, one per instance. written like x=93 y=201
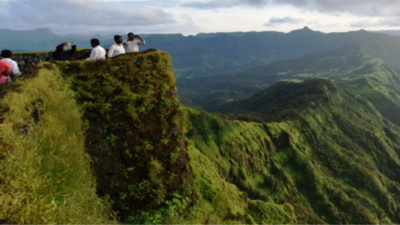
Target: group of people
x=120 y=47
x=9 y=68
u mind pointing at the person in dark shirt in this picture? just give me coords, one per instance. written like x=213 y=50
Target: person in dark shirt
x=61 y=55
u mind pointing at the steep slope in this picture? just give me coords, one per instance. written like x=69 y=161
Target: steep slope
x=121 y=115
x=135 y=131
x=283 y=101
x=45 y=174
x=332 y=157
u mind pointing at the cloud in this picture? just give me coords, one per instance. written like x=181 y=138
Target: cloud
x=391 y=22
x=383 y=8
x=284 y=20
x=58 y=14
x=213 y=4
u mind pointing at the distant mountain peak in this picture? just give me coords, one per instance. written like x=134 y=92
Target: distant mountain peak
x=44 y=30
x=305 y=30
x=362 y=31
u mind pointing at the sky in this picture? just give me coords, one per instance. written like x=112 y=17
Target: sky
x=190 y=17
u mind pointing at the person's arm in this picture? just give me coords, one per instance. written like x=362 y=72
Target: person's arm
x=143 y=41
x=92 y=55
x=15 y=69
x=73 y=50
x=125 y=42
x=111 y=51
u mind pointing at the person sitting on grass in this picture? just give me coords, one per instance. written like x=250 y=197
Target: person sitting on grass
x=7 y=55
x=61 y=55
x=98 y=52
x=5 y=72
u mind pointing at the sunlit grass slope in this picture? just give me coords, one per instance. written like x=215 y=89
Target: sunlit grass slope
x=332 y=158
x=45 y=175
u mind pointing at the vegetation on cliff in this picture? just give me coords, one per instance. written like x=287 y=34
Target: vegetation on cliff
x=331 y=157
x=135 y=131
x=123 y=112
x=45 y=174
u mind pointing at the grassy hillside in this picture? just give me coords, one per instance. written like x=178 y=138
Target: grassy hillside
x=45 y=174
x=330 y=158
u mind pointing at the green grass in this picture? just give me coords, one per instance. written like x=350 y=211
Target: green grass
x=45 y=173
x=333 y=161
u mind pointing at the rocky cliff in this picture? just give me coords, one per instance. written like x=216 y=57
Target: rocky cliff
x=135 y=128
x=132 y=122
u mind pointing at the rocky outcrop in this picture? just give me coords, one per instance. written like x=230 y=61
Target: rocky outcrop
x=134 y=135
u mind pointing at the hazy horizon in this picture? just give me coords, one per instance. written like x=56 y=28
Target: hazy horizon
x=198 y=16
x=89 y=34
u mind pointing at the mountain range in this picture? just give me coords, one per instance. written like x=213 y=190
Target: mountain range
x=348 y=61
x=206 y=54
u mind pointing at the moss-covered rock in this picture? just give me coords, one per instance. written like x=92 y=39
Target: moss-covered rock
x=135 y=132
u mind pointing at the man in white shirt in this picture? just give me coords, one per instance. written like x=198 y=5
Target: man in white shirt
x=131 y=44
x=7 y=55
x=117 y=48
x=98 y=52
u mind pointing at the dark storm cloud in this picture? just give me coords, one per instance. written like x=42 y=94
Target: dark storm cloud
x=80 y=13
x=383 y=8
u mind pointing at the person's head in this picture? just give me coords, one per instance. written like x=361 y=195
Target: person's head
x=6 y=54
x=118 y=39
x=95 y=42
x=131 y=36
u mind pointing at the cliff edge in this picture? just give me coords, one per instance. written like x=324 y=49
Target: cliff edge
x=126 y=117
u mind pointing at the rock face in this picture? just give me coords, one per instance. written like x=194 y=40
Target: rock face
x=134 y=134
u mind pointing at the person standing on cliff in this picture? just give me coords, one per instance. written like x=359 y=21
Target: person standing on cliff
x=117 y=48
x=61 y=55
x=131 y=44
x=5 y=72
x=7 y=55
x=98 y=52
